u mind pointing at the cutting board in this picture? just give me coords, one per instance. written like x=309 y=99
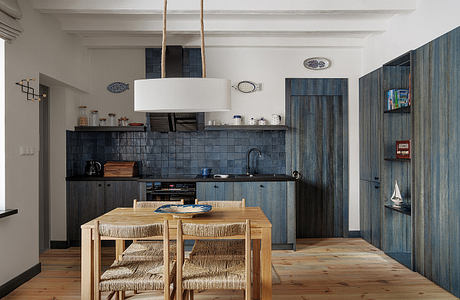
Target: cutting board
x=121 y=169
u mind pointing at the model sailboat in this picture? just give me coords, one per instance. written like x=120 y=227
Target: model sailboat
x=396 y=197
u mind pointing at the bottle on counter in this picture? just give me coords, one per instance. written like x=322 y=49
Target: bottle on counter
x=102 y=122
x=82 y=116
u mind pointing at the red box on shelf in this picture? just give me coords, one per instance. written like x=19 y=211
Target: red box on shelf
x=403 y=149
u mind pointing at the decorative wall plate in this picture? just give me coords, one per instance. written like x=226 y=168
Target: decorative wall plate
x=184 y=211
x=118 y=87
x=317 y=63
x=247 y=86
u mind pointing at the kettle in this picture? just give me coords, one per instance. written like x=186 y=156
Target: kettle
x=93 y=168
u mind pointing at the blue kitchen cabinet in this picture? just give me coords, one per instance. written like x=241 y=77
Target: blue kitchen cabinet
x=271 y=197
x=214 y=191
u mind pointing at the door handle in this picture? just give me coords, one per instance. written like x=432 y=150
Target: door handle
x=108 y=184
x=216 y=187
x=376 y=187
x=376 y=178
x=262 y=186
x=297 y=175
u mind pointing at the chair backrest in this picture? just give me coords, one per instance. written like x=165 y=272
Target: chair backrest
x=130 y=232
x=234 y=230
x=154 y=204
x=230 y=203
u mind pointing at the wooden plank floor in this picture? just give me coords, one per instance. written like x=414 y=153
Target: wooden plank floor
x=319 y=269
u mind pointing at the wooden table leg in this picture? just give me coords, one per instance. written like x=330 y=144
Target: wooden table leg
x=86 y=264
x=256 y=269
x=119 y=248
x=266 y=264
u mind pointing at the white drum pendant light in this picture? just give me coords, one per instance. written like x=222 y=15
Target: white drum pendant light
x=182 y=94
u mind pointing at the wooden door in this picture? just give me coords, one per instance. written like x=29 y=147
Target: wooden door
x=364 y=210
x=375 y=214
x=317 y=143
x=370 y=120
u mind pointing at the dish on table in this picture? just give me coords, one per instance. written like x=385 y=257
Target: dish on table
x=183 y=211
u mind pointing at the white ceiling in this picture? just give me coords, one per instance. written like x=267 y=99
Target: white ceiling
x=255 y=23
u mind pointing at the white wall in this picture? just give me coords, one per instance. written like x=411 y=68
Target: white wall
x=44 y=48
x=110 y=65
x=63 y=108
x=409 y=31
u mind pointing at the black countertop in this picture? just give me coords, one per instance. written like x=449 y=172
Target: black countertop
x=184 y=178
x=98 y=178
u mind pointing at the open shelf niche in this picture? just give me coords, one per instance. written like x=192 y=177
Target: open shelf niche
x=397 y=125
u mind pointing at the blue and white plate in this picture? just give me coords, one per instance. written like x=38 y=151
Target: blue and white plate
x=183 y=211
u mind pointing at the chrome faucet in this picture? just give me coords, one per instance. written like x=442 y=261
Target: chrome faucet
x=248 y=168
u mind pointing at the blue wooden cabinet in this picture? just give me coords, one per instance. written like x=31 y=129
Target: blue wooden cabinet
x=214 y=191
x=436 y=163
x=276 y=198
x=370 y=126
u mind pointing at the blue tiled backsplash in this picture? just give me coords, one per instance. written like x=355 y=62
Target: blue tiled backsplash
x=179 y=153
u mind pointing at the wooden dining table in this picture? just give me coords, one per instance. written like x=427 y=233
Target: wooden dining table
x=260 y=236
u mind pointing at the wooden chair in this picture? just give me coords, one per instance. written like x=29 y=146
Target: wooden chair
x=154 y=204
x=125 y=275
x=225 y=203
x=219 y=249
x=202 y=273
x=149 y=250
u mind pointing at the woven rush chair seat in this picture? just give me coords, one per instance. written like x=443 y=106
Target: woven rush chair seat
x=148 y=250
x=131 y=275
x=218 y=249
x=128 y=275
x=208 y=274
x=212 y=272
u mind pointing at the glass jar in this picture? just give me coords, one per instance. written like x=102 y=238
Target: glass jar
x=102 y=122
x=112 y=120
x=82 y=116
x=237 y=120
x=94 y=118
x=123 y=121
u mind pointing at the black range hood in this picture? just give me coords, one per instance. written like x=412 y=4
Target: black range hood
x=165 y=122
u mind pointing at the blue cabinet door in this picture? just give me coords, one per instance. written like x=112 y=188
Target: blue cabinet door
x=271 y=197
x=214 y=191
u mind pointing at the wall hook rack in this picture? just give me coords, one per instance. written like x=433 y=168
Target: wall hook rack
x=30 y=91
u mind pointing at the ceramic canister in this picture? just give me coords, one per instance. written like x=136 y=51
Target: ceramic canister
x=276 y=119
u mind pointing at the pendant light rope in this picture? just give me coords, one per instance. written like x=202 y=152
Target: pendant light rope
x=203 y=55
x=163 y=43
